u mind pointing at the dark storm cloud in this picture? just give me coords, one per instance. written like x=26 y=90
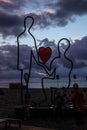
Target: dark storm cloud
x=12 y=5
x=10 y=24
x=79 y=48
x=77 y=53
x=53 y=14
x=66 y=10
x=8 y=55
x=73 y=7
x=11 y=18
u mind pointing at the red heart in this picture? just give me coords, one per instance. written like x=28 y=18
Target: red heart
x=45 y=53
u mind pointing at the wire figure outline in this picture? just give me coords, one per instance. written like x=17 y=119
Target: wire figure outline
x=40 y=63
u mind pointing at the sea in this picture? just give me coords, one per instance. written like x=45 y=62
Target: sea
x=36 y=83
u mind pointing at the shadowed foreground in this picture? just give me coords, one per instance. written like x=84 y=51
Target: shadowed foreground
x=46 y=124
x=25 y=127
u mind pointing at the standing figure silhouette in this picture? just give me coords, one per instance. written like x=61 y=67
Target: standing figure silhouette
x=55 y=66
x=26 y=38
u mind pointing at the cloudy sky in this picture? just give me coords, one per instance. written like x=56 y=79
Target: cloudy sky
x=53 y=20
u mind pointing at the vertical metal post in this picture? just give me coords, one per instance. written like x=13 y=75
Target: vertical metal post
x=75 y=77
x=21 y=87
x=57 y=77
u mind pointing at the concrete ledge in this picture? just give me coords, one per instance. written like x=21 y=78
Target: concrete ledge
x=12 y=120
x=5 y=123
x=8 y=122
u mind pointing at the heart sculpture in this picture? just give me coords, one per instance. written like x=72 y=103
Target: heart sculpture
x=45 y=53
